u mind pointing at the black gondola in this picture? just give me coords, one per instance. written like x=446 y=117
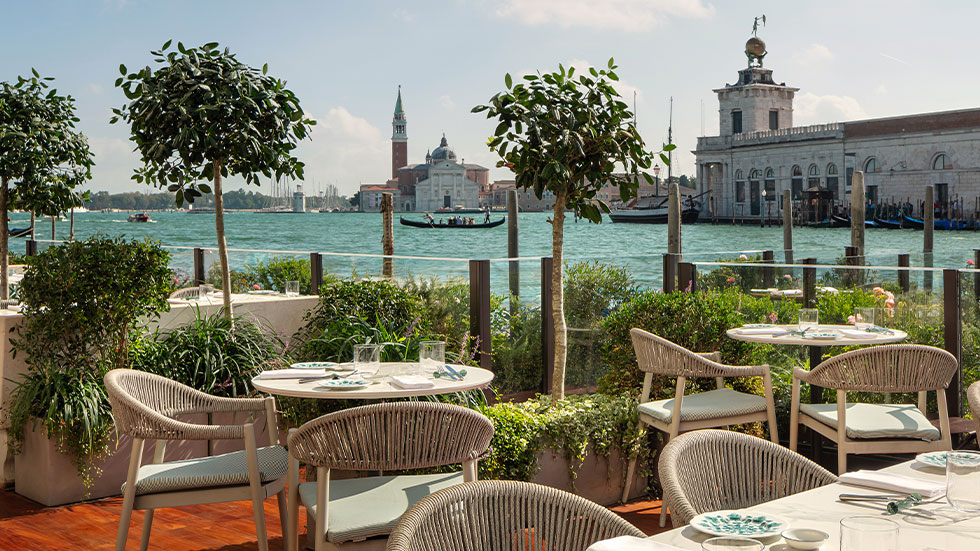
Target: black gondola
x=914 y=223
x=19 y=232
x=414 y=224
x=889 y=224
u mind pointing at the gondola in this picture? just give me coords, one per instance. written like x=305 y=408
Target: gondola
x=427 y=224
x=652 y=216
x=19 y=232
x=889 y=224
x=914 y=223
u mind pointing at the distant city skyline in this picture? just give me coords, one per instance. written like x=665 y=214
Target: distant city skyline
x=345 y=61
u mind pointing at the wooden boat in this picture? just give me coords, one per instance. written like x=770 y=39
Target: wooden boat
x=139 y=217
x=652 y=216
x=428 y=224
x=913 y=223
x=890 y=224
x=951 y=225
x=19 y=232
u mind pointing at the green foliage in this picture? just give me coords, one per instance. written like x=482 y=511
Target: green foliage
x=276 y=271
x=743 y=278
x=202 y=106
x=350 y=312
x=445 y=304
x=593 y=290
x=210 y=354
x=516 y=348
x=568 y=135
x=522 y=430
x=239 y=282
x=81 y=301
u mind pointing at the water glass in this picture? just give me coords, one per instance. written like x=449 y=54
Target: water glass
x=963 y=480
x=730 y=543
x=862 y=533
x=809 y=319
x=292 y=288
x=864 y=318
x=432 y=357
x=367 y=360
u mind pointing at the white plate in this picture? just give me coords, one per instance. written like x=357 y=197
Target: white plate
x=822 y=336
x=344 y=384
x=262 y=292
x=932 y=459
x=314 y=365
x=739 y=523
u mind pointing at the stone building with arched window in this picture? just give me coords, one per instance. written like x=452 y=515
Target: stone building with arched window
x=900 y=156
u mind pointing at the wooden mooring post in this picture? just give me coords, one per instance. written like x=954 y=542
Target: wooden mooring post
x=928 y=229
x=788 y=228
x=903 y=275
x=388 y=234
x=857 y=212
x=512 y=249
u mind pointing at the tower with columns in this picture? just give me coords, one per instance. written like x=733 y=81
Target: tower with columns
x=399 y=137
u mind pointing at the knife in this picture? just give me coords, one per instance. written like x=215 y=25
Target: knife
x=454 y=373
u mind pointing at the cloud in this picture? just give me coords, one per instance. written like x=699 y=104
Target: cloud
x=404 y=15
x=346 y=149
x=813 y=54
x=881 y=89
x=810 y=108
x=95 y=88
x=895 y=59
x=447 y=103
x=625 y=88
x=621 y=15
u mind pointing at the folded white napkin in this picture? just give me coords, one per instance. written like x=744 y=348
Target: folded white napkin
x=791 y=292
x=762 y=330
x=630 y=543
x=893 y=482
x=411 y=381
x=290 y=373
x=854 y=332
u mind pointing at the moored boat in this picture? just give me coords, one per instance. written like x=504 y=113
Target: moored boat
x=889 y=224
x=652 y=216
x=138 y=217
x=435 y=225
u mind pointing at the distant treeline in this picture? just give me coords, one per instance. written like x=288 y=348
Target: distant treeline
x=235 y=199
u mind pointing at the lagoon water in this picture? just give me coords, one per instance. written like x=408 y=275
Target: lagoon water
x=637 y=246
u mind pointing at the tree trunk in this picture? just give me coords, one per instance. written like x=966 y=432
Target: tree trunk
x=558 y=299
x=4 y=246
x=219 y=227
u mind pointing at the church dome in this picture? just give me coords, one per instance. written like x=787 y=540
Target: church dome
x=443 y=152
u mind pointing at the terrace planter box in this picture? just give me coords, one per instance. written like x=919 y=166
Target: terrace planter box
x=44 y=474
x=600 y=479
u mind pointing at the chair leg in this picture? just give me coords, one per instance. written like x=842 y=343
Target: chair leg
x=283 y=515
x=129 y=496
x=841 y=459
x=145 y=534
x=663 y=504
x=630 y=471
x=255 y=484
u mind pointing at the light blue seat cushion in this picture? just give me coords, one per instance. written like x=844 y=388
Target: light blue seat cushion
x=723 y=402
x=876 y=420
x=364 y=507
x=228 y=469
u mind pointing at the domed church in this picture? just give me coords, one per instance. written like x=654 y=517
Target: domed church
x=441 y=181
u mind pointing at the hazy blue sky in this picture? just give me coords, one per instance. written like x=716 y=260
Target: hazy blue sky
x=851 y=59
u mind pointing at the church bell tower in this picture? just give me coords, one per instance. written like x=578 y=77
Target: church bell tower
x=399 y=137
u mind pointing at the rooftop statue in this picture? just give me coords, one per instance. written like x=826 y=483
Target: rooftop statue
x=755 y=48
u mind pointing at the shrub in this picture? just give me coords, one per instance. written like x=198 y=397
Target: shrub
x=81 y=302
x=516 y=348
x=239 y=283
x=275 y=272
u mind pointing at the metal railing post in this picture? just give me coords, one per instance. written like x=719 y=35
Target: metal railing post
x=316 y=273
x=480 y=309
x=31 y=246
x=953 y=338
x=547 y=325
x=199 y=276
x=976 y=276
x=670 y=272
x=687 y=277
x=903 y=275
x=768 y=272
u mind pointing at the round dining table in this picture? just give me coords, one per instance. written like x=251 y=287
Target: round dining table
x=381 y=387
x=821 y=336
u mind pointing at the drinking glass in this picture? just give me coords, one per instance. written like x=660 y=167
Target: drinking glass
x=809 y=318
x=367 y=360
x=432 y=357
x=292 y=288
x=963 y=480
x=862 y=533
x=864 y=318
x=730 y=543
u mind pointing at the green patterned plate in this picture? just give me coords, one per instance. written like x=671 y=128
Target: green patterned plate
x=739 y=523
x=933 y=459
x=328 y=366
x=344 y=384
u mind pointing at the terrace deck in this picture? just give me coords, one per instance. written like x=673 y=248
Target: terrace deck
x=28 y=526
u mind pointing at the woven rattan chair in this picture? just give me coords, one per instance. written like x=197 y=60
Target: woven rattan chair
x=877 y=428
x=499 y=515
x=973 y=398
x=188 y=292
x=713 y=470
x=146 y=407
x=716 y=408
x=381 y=437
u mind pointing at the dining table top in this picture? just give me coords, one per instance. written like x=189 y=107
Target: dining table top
x=821 y=335
x=381 y=387
x=933 y=525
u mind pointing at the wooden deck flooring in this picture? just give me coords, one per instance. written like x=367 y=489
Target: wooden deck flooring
x=28 y=526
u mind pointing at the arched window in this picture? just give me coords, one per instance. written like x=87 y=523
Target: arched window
x=813 y=174
x=942 y=162
x=833 y=181
x=871 y=165
x=770 y=185
x=797 y=182
x=739 y=187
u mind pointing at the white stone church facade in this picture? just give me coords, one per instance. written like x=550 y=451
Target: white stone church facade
x=759 y=153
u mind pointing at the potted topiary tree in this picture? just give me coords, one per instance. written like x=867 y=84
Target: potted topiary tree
x=42 y=157
x=204 y=115
x=568 y=136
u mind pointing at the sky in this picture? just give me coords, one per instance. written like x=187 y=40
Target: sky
x=852 y=60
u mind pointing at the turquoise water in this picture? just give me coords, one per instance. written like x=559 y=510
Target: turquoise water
x=636 y=246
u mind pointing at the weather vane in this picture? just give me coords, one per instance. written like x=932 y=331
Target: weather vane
x=755 y=48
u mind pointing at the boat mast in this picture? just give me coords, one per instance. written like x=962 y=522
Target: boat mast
x=670 y=140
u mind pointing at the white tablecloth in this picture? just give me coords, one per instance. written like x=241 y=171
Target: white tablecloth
x=947 y=530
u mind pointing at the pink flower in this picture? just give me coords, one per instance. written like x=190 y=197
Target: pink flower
x=788 y=277
x=878 y=291
x=970 y=262
x=730 y=280
x=851 y=320
x=773 y=318
x=742 y=257
x=890 y=303
x=256 y=286
x=890 y=296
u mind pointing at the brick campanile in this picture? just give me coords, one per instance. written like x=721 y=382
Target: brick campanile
x=399 y=138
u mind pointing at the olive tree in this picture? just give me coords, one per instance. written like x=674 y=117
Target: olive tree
x=569 y=135
x=42 y=157
x=202 y=115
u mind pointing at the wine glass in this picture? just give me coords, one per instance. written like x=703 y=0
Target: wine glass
x=862 y=533
x=963 y=480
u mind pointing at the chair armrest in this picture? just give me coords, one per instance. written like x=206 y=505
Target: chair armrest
x=713 y=356
x=741 y=370
x=159 y=426
x=801 y=374
x=221 y=404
